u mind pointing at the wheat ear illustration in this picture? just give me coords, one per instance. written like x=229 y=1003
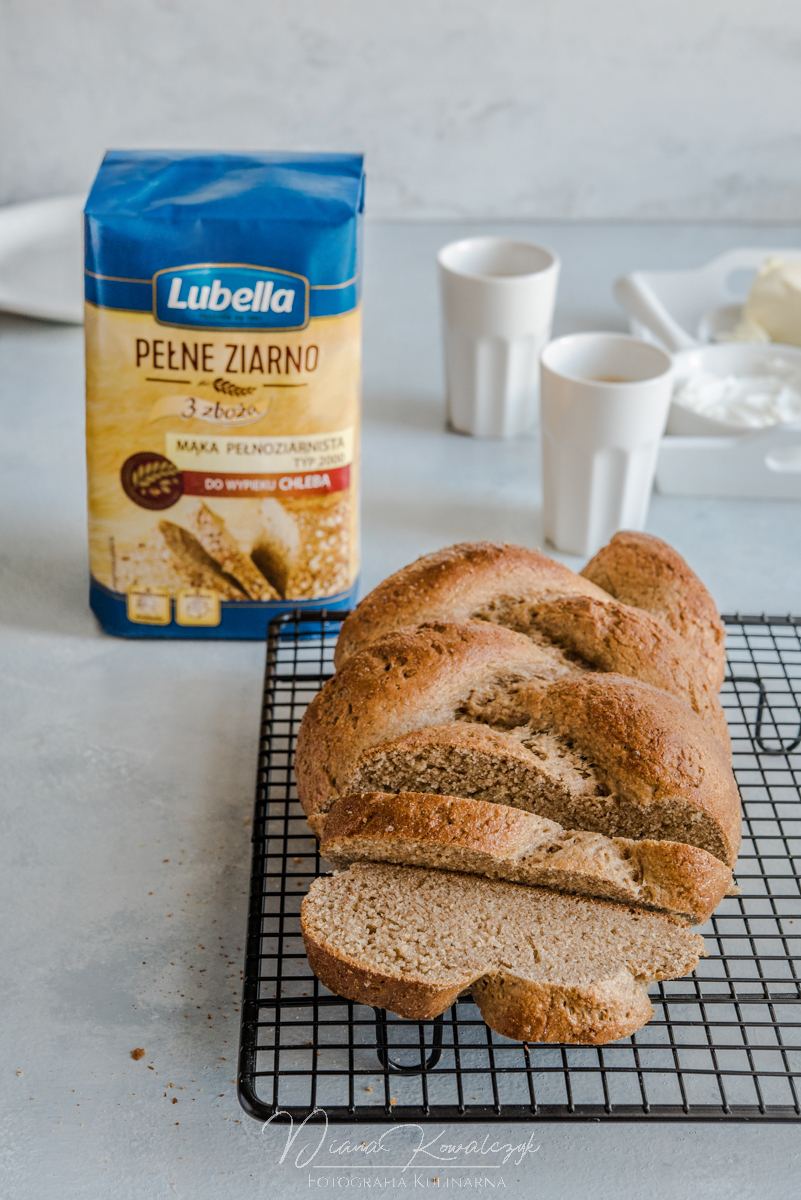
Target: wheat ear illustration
x=152 y=473
x=231 y=389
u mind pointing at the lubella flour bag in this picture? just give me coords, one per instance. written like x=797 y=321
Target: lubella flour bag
x=223 y=373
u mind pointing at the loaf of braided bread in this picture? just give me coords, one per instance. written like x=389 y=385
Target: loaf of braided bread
x=487 y=679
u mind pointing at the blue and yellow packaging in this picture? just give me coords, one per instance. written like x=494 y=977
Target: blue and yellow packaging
x=223 y=380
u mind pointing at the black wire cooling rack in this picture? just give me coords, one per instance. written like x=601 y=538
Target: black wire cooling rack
x=724 y=1044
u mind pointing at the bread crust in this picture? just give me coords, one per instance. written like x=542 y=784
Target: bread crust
x=649 y=751
x=611 y=1002
x=453 y=583
x=673 y=639
x=522 y=1009
x=613 y=637
x=645 y=744
x=496 y=840
x=537 y=1012
x=643 y=571
x=345 y=976
x=494 y=829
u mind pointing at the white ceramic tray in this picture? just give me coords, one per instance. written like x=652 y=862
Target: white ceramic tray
x=765 y=464
x=41 y=259
x=681 y=310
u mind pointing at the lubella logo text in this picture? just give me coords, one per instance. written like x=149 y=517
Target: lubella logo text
x=230 y=296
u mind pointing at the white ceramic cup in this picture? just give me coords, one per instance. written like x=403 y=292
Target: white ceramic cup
x=605 y=401
x=497 y=304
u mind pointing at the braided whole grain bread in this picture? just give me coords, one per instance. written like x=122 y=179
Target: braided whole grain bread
x=541 y=966
x=473 y=709
x=496 y=724
x=637 y=609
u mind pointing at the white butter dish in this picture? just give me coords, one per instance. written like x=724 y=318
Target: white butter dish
x=679 y=309
x=683 y=310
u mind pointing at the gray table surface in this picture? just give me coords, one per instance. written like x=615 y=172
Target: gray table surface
x=128 y=768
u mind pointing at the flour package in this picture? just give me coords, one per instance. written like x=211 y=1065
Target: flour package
x=223 y=373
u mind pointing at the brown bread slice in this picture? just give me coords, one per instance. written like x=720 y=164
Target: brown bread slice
x=546 y=775
x=213 y=535
x=592 y=751
x=480 y=763
x=194 y=564
x=498 y=842
x=541 y=965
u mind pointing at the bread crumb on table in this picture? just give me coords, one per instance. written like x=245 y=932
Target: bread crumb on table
x=135 y=1054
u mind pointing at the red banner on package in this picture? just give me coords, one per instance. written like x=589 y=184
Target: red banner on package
x=314 y=483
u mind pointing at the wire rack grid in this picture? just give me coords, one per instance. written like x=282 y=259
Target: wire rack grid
x=724 y=1044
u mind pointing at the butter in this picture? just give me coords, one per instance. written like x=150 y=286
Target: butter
x=772 y=312
x=747 y=329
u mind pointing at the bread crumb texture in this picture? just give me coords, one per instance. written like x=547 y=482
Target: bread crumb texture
x=411 y=939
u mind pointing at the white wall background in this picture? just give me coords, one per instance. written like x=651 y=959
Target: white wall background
x=465 y=108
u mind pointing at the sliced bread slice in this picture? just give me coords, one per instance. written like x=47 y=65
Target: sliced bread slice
x=215 y=538
x=541 y=965
x=195 y=565
x=541 y=774
x=498 y=842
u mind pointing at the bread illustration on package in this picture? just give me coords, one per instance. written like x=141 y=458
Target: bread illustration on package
x=223 y=379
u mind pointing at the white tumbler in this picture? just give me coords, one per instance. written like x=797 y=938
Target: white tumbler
x=605 y=401
x=497 y=306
